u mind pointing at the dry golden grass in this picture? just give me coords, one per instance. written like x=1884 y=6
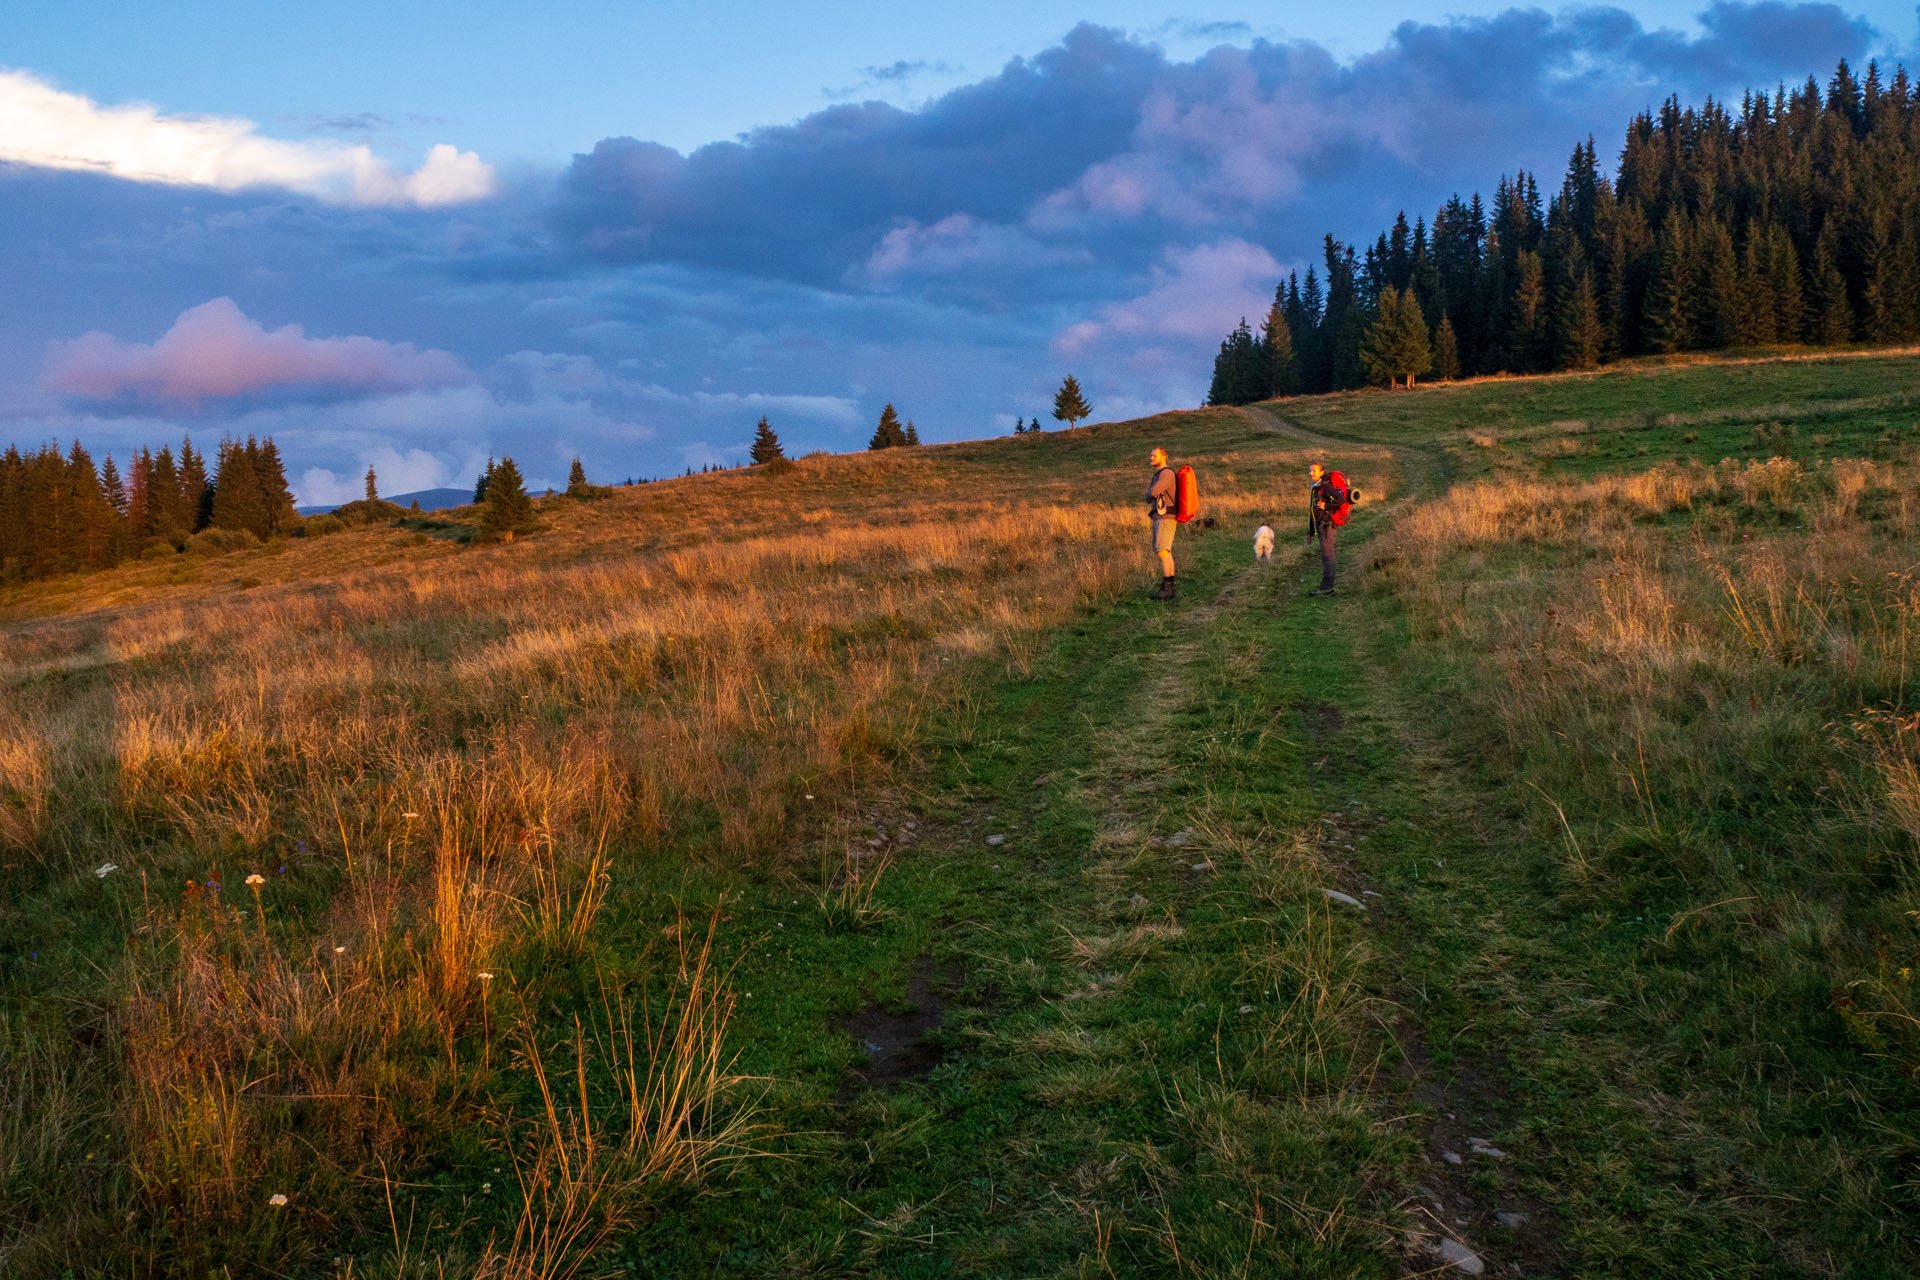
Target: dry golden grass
x=440 y=761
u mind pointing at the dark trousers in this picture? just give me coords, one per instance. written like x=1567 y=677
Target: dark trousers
x=1327 y=536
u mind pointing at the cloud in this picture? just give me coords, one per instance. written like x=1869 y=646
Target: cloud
x=1193 y=290
x=890 y=79
x=48 y=128
x=962 y=247
x=214 y=351
x=808 y=200
x=908 y=70
x=1104 y=146
x=1103 y=207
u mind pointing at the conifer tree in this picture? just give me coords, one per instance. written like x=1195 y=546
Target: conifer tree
x=1581 y=335
x=238 y=502
x=1283 y=376
x=480 y=485
x=1783 y=289
x=13 y=539
x=196 y=495
x=1890 y=277
x=1019 y=426
x=47 y=534
x=888 y=435
x=276 y=496
x=1669 y=315
x=1069 y=406
x=1446 y=352
x=508 y=508
x=577 y=478
x=113 y=487
x=1831 y=321
x=1716 y=284
x=1397 y=345
x=114 y=490
x=766 y=445
x=373 y=486
x=912 y=435
x=1243 y=372
x=139 y=490
x=170 y=519
x=1757 y=318
x=1034 y=424
x=90 y=520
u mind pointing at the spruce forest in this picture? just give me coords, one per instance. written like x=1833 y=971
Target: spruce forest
x=1792 y=222
x=60 y=514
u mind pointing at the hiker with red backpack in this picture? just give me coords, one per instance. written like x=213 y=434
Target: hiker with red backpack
x=1330 y=500
x=1172 y=499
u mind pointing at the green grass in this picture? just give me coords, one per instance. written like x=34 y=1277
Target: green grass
x=1614 y=890
x=1630 y=419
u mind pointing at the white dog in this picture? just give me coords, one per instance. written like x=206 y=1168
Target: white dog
x=1263 y=543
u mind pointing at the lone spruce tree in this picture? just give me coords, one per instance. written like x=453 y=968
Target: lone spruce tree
x=1069 y=406
x=373 y=486
x=766 y=445
x=889 y=434
x=576 y=479
x=508 y=508
x=912 y=435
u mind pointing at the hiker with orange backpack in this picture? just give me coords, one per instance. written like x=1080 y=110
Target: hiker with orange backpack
x=1161 y=497
x=1172 y=499
x=1330 y=500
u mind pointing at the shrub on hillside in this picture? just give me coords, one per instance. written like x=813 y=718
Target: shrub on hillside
x=319 y=526
x=369 y=511
x=157 y=549
x=217 y=542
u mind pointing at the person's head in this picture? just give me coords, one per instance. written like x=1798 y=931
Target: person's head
x=1315 y=471
x=1158 y=458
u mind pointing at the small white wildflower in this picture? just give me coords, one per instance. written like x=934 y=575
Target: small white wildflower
x=809 y=796
x=276 y=1199
x=256 y=879
x=107 y=867
x=485 y=976
x=486 y=1188
x=339 y=951
x=409 y=815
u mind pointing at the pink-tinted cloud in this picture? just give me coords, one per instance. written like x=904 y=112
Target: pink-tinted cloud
x=1196 y=293
x=215 y=351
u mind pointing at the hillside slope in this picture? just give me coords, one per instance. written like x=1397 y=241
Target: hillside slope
x=861 y=845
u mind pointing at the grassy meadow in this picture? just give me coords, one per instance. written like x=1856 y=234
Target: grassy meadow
x=847 y=871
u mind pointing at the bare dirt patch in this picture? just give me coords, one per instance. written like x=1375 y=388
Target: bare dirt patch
x=898 y=1040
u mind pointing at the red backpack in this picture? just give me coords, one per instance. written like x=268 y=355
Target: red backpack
x=1186 y=495
x=1334 y=497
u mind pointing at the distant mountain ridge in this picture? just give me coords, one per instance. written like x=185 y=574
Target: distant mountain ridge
x=429 y=500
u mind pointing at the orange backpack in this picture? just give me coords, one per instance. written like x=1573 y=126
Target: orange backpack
x=1186 y=495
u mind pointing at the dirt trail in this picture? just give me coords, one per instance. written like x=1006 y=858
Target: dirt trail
x=1468 y=1191
x=1422 y=471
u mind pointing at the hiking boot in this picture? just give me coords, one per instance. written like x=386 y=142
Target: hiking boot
x=1321 y=591
x=1169 y=588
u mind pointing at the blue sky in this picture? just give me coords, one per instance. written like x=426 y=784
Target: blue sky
x=389 y=235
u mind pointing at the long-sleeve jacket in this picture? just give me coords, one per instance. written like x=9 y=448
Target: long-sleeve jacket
x=1160 y=493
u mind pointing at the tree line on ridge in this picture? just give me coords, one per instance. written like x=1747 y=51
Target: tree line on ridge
x=1795 y=221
